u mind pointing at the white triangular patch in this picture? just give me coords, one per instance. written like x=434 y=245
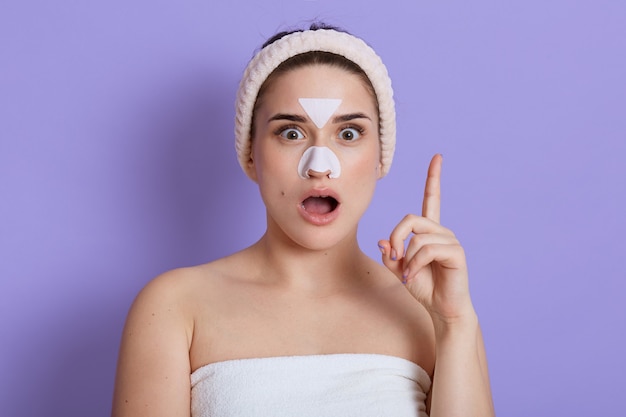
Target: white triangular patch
x=320 y=109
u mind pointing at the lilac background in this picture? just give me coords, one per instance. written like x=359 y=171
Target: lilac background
x=117 y=163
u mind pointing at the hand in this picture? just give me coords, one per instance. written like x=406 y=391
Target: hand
x=433 y=266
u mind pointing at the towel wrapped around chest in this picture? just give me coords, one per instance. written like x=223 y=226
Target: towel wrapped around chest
x=363 y=385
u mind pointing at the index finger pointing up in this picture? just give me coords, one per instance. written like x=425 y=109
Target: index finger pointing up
x=431 y=205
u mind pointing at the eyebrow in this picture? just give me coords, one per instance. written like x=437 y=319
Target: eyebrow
x=347 y=117
x=290 y=117
x=301 y=119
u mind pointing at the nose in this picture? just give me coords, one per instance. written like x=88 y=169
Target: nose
x=319 y=162
x=317 y=174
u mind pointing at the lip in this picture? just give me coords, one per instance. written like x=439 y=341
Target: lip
x=319 y=219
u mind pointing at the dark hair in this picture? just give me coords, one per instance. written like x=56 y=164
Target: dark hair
x=307 y=59
x=314 y=26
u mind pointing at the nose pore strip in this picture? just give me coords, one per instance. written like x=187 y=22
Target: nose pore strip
x=319 y=159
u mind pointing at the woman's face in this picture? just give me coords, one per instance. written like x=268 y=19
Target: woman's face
x=319 y=211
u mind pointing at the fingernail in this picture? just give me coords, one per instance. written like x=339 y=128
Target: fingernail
x=394 y=255
x=405 y=274
x=382 y=248
x=403 y=281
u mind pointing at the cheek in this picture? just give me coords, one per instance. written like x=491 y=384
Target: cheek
x=366 y=163
x=274 y=169
x=259 y=159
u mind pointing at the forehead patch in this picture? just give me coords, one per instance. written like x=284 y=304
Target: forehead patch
x=319 y=109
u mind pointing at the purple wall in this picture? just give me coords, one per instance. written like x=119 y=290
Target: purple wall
x=117 y=163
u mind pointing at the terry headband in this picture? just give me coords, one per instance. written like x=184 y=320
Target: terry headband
x=324 y=40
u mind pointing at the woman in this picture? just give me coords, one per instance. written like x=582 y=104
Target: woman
x=303 y=322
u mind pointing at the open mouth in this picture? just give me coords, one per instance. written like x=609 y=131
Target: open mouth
x=320 y=204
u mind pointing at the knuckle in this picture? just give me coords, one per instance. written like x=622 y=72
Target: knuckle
x=413 y=263
x=410 y=217
x=417 y=240
x=428 y=251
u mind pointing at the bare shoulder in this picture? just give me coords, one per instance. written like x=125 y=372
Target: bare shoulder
x=171 y=299
x=153 y=365
x=179 y=299
x=174 y=292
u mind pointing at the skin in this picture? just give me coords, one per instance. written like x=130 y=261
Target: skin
x=308 y=275
x=434 y=270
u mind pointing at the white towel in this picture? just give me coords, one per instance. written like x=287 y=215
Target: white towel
x=337 y=385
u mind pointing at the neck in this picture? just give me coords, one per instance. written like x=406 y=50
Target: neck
x=286 y=263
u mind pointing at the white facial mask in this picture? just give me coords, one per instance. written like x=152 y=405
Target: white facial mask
x=319 y=159
x=319 y=109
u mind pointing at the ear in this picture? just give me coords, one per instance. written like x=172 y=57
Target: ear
x=379 y=170
x=251 y=167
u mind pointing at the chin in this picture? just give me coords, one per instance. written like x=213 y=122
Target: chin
x=321 y=238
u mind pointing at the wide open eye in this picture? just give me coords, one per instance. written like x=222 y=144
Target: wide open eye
x=349 y=134
x=291 y=133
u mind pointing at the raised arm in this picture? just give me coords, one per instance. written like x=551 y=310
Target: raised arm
x=434 y=269
x=153 y=366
